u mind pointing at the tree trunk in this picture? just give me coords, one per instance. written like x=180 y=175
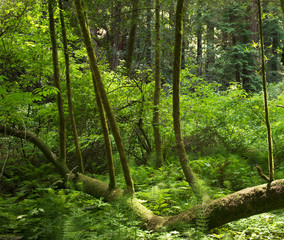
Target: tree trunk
x=189 y=174
x=210 y=51
x=253 y=18
x=199 y=43
x=57 y=83
x=148 y=41
x=268 y=128
x=132 y=36
x=282 y=7
x=98 y=82
x=241 y=204
x=156 y=122
x=69 y=92
x=107 y=140
x=51 y=157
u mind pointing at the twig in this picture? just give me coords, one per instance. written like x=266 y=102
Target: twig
x=261 y=174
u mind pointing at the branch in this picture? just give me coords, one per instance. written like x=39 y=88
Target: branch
x=280 y=106
x=262 y=175
x=51 y=157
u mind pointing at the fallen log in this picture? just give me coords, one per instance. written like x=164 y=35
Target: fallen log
x=241 y=204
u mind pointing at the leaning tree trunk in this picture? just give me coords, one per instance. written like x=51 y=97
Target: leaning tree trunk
x=241 y=204
x=60 y=166
x=189 y=174
x=69 y=92
x=156 y=122
x=57 y=83
x=99 y=83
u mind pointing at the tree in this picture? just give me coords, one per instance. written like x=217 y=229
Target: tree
x=132 y=36
x=189 y=174
x=97 y=81
x=234 y=206
x=69 y=92
x=268 y=128
x=57 y=82
x=155 y=121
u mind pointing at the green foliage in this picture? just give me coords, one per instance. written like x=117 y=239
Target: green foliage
x=229 y=171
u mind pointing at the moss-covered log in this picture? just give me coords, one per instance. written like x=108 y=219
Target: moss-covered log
x=241 y=204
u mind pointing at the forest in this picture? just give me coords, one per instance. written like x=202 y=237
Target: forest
x=141 y=119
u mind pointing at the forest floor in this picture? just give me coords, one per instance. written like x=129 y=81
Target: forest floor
x=38 y=209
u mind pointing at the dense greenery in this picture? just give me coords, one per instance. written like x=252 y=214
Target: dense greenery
x=221 y=107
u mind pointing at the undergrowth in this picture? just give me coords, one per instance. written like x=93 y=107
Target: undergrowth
x=52 y=213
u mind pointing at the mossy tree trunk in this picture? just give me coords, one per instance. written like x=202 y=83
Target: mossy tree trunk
x=268 y=128
x=241 y=204
x=60 y=166
x=99 y=83
x=108 y=148
x=62 y=136
x=69 y=92
x=189 y=174
x=156 y=122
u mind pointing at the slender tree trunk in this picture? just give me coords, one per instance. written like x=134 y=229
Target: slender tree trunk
x=189 y=174
x=148 y=34
x=269 y=135
x=282 y=7
x=57 y=83
x=69 y=92
x=156 y=122
x=210 y=51
x=108 y=147
x=132 y=36
x=98 y=82
x=235 y=56
x=199 y=43
x=253 y=17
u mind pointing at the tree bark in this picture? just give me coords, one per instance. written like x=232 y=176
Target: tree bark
x=69 y=92
x=210 y=51
x=107 y=140
x=241 y=204
x=268 y=128
x=199 y=42
x=148 y=40
x=57 y=83
x=156 y=122
x=98 y=81
x=189 y=174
